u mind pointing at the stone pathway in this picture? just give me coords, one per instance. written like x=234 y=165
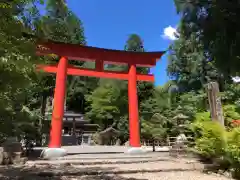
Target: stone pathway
x=150 y=166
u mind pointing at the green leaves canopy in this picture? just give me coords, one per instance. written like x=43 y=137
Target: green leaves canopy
x=216 y=24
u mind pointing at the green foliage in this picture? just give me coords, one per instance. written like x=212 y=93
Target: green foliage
x=17 y=66
x=230 y=113
x=23 y=93
x=104 y=104
x=233 y=151
x=213 y=140
x=202 y=117
x=60 y=24
x=233 y=148
x=207 y=36
x=231 y=94
x=134 y=43
x=219 y=145
x=155 y=113
x=192 y=102
x=216 y=25
x=154 y=104
x=155 y=128
x=188 y=64
x=175 y=109
x=197 y=124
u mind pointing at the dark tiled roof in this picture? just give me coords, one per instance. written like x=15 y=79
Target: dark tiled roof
x=68 y=116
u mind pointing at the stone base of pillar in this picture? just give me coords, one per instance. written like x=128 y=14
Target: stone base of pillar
x=135 y=150
x=53 y=153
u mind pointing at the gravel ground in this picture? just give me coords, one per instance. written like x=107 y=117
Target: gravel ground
x=100 y=173
x=93 y=163
x=115 y=167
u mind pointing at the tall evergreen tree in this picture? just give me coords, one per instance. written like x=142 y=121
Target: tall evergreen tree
x=135 y=43
x=216 y=24
x=188 y=65
x=62 y=25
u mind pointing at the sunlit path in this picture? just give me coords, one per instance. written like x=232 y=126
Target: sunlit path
x=110 y=162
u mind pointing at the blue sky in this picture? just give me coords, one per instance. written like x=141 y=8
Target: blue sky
x=109 y=23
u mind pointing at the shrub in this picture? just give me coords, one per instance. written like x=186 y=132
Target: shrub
x=230 y=113
x=212 y=142
x=197 y=126
x=202 y=116
x=215 y=143
x=232 y=150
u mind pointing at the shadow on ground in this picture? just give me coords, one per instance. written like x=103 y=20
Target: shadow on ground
x=70 y=172
x=34 y=155
x=96 y=173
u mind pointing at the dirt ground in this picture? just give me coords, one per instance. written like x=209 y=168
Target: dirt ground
x=110 y=166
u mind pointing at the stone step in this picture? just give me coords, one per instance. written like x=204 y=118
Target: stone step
x=148 y=167
x=95 y=161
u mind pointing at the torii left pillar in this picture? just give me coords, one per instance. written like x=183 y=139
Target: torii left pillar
x=54 y=148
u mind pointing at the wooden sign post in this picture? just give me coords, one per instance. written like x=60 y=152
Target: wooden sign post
x=215 y=102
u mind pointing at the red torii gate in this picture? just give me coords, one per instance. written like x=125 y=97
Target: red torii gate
x=100 y=56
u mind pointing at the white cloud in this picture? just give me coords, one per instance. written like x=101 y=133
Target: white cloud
x=170 y=33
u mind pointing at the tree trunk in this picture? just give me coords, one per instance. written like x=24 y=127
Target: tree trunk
x=41 y=119
x=153 y=145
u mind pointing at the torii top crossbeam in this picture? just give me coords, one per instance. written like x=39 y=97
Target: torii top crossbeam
x=87 y=53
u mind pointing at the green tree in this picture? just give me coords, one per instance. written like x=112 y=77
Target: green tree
x=188 y=65
x=216 y=25
x=135 y=43
x=57 y=24
x=155 y=114
x=106 y=104
x=155 y=128
x=62 y=25
x=17 y=60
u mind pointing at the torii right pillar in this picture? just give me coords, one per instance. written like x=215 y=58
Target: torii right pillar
x=134 y=129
